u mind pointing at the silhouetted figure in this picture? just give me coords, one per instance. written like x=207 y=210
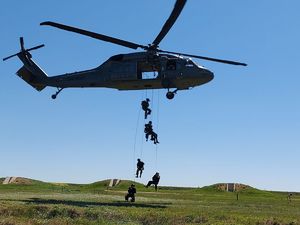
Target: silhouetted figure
x=155 y=180
x=154 y=137
x=289 y=197
x=131 y=193
x=145 y=107
x=149 y=131
x=140 y=168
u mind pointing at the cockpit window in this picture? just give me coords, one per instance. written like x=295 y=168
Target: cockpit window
x=189 y=63
x=171 y=65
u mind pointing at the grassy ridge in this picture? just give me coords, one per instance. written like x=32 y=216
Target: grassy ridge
x=50 y=203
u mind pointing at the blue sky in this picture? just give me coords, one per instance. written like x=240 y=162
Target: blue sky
x=244 y=126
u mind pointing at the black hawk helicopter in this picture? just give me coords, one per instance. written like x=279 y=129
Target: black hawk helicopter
x=171 y=70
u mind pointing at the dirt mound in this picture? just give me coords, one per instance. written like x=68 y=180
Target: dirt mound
x=231 y=186
x=22 y=180
x=17 y=180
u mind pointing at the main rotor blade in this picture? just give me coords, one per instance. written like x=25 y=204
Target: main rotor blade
x=95 y=35
x=206 y=58
x=170 y=21
x=34 y=48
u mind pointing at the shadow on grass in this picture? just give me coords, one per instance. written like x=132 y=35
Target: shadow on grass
x=86 y=204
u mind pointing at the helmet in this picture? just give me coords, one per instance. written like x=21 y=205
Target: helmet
x=150 y=122
x=147 y=99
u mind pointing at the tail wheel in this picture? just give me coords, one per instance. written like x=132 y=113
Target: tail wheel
x=56 y=93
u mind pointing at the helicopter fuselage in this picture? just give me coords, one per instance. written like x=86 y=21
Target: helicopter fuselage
x=136 y=71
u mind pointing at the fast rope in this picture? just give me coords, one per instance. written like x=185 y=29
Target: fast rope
x=135 y=137
x=157 y=123
x=140 y=153
x=152 y=117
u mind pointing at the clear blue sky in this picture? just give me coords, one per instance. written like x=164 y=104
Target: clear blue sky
x=244 y=126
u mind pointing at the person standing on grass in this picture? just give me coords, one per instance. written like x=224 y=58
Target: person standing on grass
x=289 y=197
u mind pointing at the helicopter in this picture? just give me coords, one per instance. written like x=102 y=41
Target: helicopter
x=171 y=70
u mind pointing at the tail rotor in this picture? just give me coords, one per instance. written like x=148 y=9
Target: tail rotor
x=22 y=44
x=23 y=50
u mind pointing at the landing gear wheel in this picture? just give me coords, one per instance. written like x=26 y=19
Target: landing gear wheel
x=170 y=95
x=55 y=95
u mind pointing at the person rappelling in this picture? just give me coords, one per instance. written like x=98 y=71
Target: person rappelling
x=155 y=181
x=140 y=168
x=145 y=107
x=149 y=131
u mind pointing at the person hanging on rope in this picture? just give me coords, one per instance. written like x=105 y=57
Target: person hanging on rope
x=154 y=137
x=131 y=193
x=140 y=168
x=149 y=131
x=145 y=107
x=155 y=180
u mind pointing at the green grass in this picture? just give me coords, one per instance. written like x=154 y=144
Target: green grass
x=49 y=203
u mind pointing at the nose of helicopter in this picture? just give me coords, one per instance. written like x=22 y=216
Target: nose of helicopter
x=208 y=75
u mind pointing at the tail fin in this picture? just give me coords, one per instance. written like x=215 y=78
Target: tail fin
x=30 y=71
x=30 y=78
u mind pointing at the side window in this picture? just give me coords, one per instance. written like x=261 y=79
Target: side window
x=171 y=65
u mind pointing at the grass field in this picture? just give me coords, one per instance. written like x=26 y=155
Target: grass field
x=37 y=202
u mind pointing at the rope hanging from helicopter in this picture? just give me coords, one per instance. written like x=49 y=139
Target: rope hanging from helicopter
x=137 y=130
x=135 y=137
x=151 y=117
x=157 y=123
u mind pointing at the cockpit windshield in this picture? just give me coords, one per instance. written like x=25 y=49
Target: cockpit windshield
x=189 y=63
